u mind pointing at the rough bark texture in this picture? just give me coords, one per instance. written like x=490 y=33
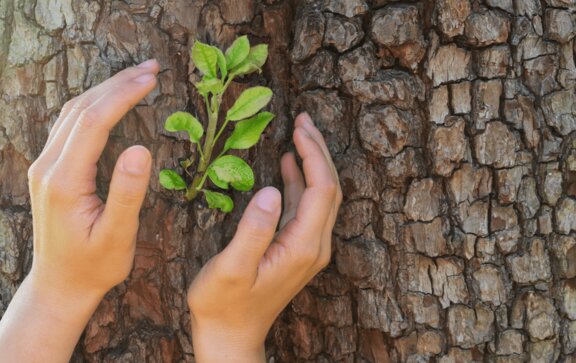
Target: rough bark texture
x=452 y=123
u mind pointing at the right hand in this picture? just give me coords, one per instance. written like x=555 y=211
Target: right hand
x=238 y=294
x=82 y=246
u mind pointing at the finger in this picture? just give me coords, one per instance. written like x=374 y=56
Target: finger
x=304 y=120
x=318 y=197
x=90 y=133
x=119 y=220
x=73 y=108
x=66 y=109
x=294 y=186
x=254 y=233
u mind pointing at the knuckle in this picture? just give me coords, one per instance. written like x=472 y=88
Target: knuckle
x=87 y=119
x=128 y=73
x=252 y=231
x=69 y=105
x=126 y=199
x=34 y=173
x=79 y=104
x=255 y=228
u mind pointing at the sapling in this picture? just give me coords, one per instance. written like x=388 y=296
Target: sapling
x=218 y=70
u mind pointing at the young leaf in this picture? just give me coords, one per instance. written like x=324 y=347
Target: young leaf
x=247 y=132
x=209 y=85
x=186 y=163
x=249 y=103
x=169 y=179
x=237 y=52
x=254 y=62
x=219 y=200
x=258 y=55
x=183 y=121
x=216 y=180
x=222 y=64
x=205 y=57
x=231 y=169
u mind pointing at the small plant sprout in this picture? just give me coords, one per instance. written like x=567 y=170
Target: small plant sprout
x=219 y=70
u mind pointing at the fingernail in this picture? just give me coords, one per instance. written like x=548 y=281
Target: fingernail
x=267 y=200
x=135 y=160
x=145 y=78
x=150 y=63
x=307 y=119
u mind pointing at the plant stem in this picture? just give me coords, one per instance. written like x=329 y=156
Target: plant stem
x=202 y=182
x=200 y=152
x=213 y=109
x=220 y=132
x=198 y=181
x=230 y=79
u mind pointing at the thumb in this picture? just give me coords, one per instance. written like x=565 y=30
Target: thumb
x=127 y=190
x=255 y=231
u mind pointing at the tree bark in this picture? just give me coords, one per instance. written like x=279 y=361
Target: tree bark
x=452 y=124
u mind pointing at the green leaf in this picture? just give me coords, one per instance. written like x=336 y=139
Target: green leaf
x=219 y=200
x=247 y=132
x=171 y=180
x=254 y=62
x=231 y=169
x=183 y=121
x=258 y=55
x=222 y=64
x=237 y=52
x=205 y=57
x=249 y=103
x=217 y=181
x=209 y=85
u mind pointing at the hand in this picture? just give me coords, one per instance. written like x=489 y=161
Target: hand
x=239 y=293
x=82 y=247
x=80 y=244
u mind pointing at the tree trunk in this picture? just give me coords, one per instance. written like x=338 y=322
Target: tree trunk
x=452 y=124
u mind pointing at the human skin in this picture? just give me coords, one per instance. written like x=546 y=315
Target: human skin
x=239 y=293
x=84 y=247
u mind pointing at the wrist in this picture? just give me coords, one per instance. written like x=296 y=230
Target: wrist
x=43 y=313
x=65 y=303
x=213 y=344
